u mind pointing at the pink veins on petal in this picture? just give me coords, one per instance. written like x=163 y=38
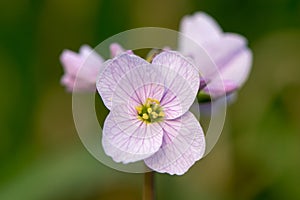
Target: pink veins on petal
x=149 y=118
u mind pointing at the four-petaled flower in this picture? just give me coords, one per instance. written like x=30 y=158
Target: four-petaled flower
x=149 y=118
x=228 y=51
x=149 y=101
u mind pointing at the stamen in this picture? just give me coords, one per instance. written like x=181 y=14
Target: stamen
x=150 y=112
x=161 y=114
x=145 y=116
x=154 y=115
x=139 y=109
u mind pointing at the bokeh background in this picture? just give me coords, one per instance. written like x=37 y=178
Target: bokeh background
x=41 y=156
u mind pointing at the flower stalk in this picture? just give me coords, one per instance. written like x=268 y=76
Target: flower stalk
x=149 y=189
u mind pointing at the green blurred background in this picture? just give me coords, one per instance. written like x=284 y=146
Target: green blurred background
x=257 y=156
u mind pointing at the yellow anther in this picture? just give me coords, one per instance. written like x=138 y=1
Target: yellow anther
x=150 y=100
x=154 y=115
x=161 y=114
x=139 y=109
x=145 y=116
x=156 y=101
x=154 y=107
x=139 y=117
x=149 y=110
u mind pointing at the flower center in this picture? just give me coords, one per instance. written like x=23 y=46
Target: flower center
x=151 y=111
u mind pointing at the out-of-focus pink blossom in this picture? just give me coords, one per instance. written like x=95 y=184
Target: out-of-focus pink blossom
x=84 y=67
x=77 y=66
x=228 y=51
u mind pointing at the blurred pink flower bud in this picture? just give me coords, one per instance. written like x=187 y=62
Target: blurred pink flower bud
x=77 y=66
x=84 y=67
x=116 y=49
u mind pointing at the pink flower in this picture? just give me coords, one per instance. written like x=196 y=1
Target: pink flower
x=149 y=118
x=228 y=51
x=72 y=62
x=89 y=61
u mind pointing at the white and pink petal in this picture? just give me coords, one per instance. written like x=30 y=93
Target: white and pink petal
x=223 y=49
x=176 y=62
x=113 y=72
x=232 y=75
x=183 y=145
x=238 y=68
x=128 y=139
x=158 y=82
x=199 y=27
x=218 y=88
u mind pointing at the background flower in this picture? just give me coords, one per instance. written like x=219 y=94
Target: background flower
x=84 y=67
x=88 y=68
x=228 y=51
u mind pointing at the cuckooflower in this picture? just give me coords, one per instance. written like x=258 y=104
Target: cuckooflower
x=88 y=63
x=72 y=62
x=149 y=118
x=228 y=51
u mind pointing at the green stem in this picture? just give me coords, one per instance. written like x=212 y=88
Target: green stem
x=149 y=190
